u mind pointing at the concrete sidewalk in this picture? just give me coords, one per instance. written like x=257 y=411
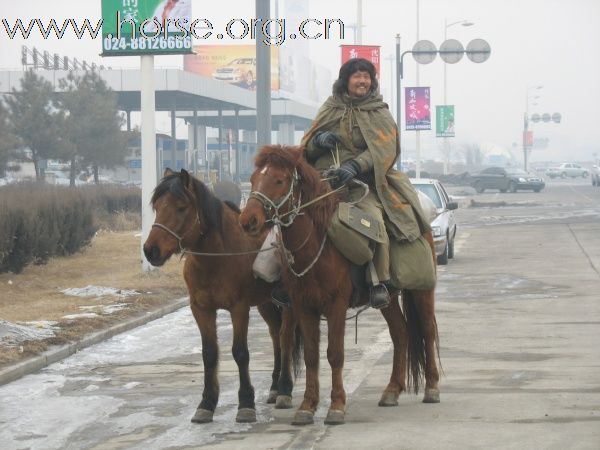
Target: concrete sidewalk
x=56 y=353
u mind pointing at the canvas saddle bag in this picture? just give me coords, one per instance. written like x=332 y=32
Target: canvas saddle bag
x=351 y=229
x=353 y=232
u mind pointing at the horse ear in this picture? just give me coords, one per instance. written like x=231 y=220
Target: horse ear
x=185 y=178
x=168 y=172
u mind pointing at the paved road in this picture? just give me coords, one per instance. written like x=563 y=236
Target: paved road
x=518 y=311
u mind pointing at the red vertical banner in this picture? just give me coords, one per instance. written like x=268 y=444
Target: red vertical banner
x=368 y=52
x=529 y=139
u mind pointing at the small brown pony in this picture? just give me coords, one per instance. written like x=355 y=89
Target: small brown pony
x=218 y=274
x=281 y=181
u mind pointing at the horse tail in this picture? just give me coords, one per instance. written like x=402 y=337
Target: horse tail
x=416 y=341
x=297 y=351
x=415 y=365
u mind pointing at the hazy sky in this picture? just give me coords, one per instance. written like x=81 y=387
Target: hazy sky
x=554 y=43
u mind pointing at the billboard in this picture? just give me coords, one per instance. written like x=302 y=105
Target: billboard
x=368 y=52
x=444 y=121
x=146 y=27
x=417 y=109
x=235 y=64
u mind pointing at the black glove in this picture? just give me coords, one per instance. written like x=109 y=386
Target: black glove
x=344 y=173
x=326 y=140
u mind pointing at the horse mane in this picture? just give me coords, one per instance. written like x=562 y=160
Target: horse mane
x=311 y=185
x=207 y=205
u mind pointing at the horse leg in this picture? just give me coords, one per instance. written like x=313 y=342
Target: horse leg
x=309 y=324
x=424 y=303
x=286 y=382
x=397 y=327
x=239 y=318
x=272 y=317
x=336 y=325
x=207 y=323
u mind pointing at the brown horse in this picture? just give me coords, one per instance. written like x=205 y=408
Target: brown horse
x=218 y=274
x=318 y=278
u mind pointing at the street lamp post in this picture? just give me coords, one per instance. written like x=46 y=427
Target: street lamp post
x=464 y=23
x=526 y=124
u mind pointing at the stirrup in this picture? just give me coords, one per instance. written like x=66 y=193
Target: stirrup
x=379 y=297
x=281 y=298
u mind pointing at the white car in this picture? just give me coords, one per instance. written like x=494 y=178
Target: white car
x=444 y=223
x=567 y=170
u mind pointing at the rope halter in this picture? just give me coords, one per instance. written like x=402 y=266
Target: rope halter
x=272 y=207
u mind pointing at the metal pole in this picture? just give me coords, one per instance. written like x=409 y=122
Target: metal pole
x=220 y=144
x=237 y=178
x=418 y=132
x=445 y=85
x=359 y=23
x=398 y=96
x=195 y=141
x=263 y=78
x=148 y=137
x=525 y=126
x=173 y=137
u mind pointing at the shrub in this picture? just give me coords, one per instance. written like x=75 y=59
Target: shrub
x=38 y=221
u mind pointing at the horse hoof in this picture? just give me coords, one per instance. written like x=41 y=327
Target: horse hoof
x=203 y=416
x=303 y=417
x=388 y=399
x=432 y=395
x=272 y=396
x=334 y=417
x=246 y=415
x=283 y=402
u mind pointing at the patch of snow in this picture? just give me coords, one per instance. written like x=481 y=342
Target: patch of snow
x=105 y=309
x=98 y=291
x=13 y=334
x=80 y=316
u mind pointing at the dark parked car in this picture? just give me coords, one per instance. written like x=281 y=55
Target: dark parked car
x=509 y=179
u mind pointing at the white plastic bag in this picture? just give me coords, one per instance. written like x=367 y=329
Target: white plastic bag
x=267 y=264
x=427 y=206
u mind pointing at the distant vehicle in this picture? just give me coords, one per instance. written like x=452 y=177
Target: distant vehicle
x=444 y=225
x=238 y=70
x=596 y=175
x=567 y=170
x=61 y=178
x=509 y=179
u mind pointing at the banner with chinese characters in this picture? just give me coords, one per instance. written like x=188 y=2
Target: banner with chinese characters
x=444 y=121
x=417 y=109
x=146 y=27
x=368 y=52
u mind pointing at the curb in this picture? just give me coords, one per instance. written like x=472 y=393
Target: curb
x=48 y=357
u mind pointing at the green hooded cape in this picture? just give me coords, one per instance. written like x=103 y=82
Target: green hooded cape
x=406 y=220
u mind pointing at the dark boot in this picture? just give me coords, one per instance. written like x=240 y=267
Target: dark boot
x=379 y=296
x=280 y=297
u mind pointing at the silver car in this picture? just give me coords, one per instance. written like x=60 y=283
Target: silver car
x=567 y=170
x=444 y=224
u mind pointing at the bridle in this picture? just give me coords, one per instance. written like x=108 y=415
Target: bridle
x=272 y=207
x=184 y=250
x=179 y=238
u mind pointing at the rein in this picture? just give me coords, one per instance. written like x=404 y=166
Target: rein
x=184 y=251
x=272 y=207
